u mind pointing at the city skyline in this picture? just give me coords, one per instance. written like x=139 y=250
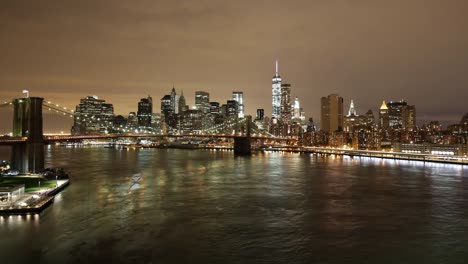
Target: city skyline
x=365 y=52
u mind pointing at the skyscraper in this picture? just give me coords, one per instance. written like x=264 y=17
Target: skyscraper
x=297 y=108
x=384 y=121
x=214 y=108
x=166 y=106
x=352 y=111
x=352 y=120
x=260 y=114
x=239 y=98
x=145 y=111
x=92 y=115
x=370 y=119
x=401 y=115
x=202 y=101
x=182 y=104
x=411 y=120
x=232 y=107
x=276 y=94
x=332 y=113
x=174 y=101
x=397 y=114
x=286 y=103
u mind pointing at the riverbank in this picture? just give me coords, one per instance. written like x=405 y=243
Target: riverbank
x=374 y=154
x=34 y=202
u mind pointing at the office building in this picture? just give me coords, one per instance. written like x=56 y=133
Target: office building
x=166 y=106
x=276 y=94
x=331 y=113
x=411 y=119
x=260 y=114
x=215 y=108
x=286 y=110
x=352 y=120
x=92 y=116
x=182 y=105
x=132 y=120
x=384 y=120
x=202 y=101
x=174 y=101
x=397 y=114
x=239 y=98
x=232 y=108
x=145 y=112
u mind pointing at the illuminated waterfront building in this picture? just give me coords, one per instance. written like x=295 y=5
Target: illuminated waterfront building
x=297 y=108
x=232 y=108
x=202 y=101
x=286 y=110
x=182 y=105
x=215 y=108
x=145 y=111
x=397 y=114
x=352 y=120
x=132 y=120
x=383 y=116
x=276 y=95
x=93 y=115
x=191 y=121
x=370 y=119
x=239 y=98
x=400 y=116
x=166 y=106
x=411 y=117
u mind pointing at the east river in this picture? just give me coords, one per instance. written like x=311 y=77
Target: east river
x=201 y=206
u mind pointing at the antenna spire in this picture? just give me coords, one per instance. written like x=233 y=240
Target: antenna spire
x=276 y=67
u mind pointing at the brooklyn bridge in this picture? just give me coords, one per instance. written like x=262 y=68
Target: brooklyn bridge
x=27 y=138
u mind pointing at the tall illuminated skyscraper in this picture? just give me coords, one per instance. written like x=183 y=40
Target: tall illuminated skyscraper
x=92 y=115
x=239 y=98
x=145 y=111
x=286 y=103
x=297 y=108
x=202 y=101
x=276 y=94
x=384 y=121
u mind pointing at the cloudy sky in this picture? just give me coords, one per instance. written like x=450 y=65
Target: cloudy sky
x=120 y=50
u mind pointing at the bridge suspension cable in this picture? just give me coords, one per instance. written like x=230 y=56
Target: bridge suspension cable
x=5 y=104
x=57 y=108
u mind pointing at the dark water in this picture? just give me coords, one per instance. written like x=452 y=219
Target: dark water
x=197 y=206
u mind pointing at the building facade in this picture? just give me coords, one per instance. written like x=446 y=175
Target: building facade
x=286 y=111
x=239 y=98
x=145 y=111
x=331 y=113
x=92 y=116
x=202 y=101
x=276 y=95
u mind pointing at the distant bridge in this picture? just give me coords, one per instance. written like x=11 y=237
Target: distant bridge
x=28 y=139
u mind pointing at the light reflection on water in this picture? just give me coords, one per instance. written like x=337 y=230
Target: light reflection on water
x=212 y=207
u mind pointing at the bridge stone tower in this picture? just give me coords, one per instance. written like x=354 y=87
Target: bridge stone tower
x=242 y=145
x=27 y=122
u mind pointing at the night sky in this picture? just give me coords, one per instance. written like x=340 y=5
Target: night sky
x=120 y=50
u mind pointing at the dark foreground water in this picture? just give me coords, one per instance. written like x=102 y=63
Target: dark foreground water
x=196 y=206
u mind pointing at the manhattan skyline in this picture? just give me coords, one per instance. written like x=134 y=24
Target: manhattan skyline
x=363 y=51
